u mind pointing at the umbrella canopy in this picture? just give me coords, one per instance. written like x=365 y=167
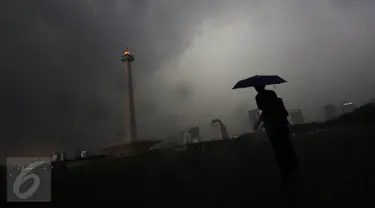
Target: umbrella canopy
x=259 y=80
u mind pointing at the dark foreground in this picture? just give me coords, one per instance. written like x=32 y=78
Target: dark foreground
x=337 y=170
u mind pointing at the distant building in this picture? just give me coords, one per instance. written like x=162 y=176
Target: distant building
x=58 y=156
x=347 y=107
x=62 y=156
x=330 y=112
x=83 y=154
x=191 y=136
x=55 y=157
x=194 y=134
x=254 y=117
x=186 y=138
x=296 y=117
x=219 y=130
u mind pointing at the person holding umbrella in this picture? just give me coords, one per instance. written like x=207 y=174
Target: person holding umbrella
x=274 y=119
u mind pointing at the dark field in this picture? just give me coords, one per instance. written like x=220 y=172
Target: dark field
x=337 y=169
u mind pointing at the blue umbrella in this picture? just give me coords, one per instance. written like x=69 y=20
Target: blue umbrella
x=259 y=80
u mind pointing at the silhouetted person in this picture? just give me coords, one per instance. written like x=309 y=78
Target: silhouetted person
x=274 y=117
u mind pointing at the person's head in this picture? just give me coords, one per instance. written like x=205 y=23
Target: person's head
x=260 y=88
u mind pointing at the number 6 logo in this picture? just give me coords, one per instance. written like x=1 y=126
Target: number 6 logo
x=23 y=177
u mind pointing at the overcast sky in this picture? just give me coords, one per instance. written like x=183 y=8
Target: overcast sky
x=62 y=80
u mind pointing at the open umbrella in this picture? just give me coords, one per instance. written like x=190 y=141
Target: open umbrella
x=259 y=80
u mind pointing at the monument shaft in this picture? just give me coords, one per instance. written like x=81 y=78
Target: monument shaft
x=130 y=99
x=130 y=119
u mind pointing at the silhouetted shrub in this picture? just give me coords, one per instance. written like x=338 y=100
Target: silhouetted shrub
x=362 y=115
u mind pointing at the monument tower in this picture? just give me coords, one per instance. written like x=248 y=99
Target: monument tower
x=130 y=122
x=129 y=145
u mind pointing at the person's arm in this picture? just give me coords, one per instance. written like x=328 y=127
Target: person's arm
x=260 y=120
x=260 y=107
x=273 y=93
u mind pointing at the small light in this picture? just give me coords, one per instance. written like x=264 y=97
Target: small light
x=126 y=51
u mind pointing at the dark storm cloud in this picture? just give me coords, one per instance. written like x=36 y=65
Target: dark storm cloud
x=60 y=59
x=62 y=79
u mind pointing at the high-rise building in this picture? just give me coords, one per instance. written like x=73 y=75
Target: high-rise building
x=83 y=154
x=55 y=157
x=254 y=117
x=219 y=130
x=58 y=157
x=296 y=117
x=330 y=112
x=62 y=156
x=191 y=136
x=347 y=107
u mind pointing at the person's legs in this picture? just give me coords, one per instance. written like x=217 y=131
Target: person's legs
x=278 y=152
x=285 y=157
x=291 y=157
x=291 y=161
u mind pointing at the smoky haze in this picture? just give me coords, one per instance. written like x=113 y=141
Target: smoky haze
x=62 y=80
